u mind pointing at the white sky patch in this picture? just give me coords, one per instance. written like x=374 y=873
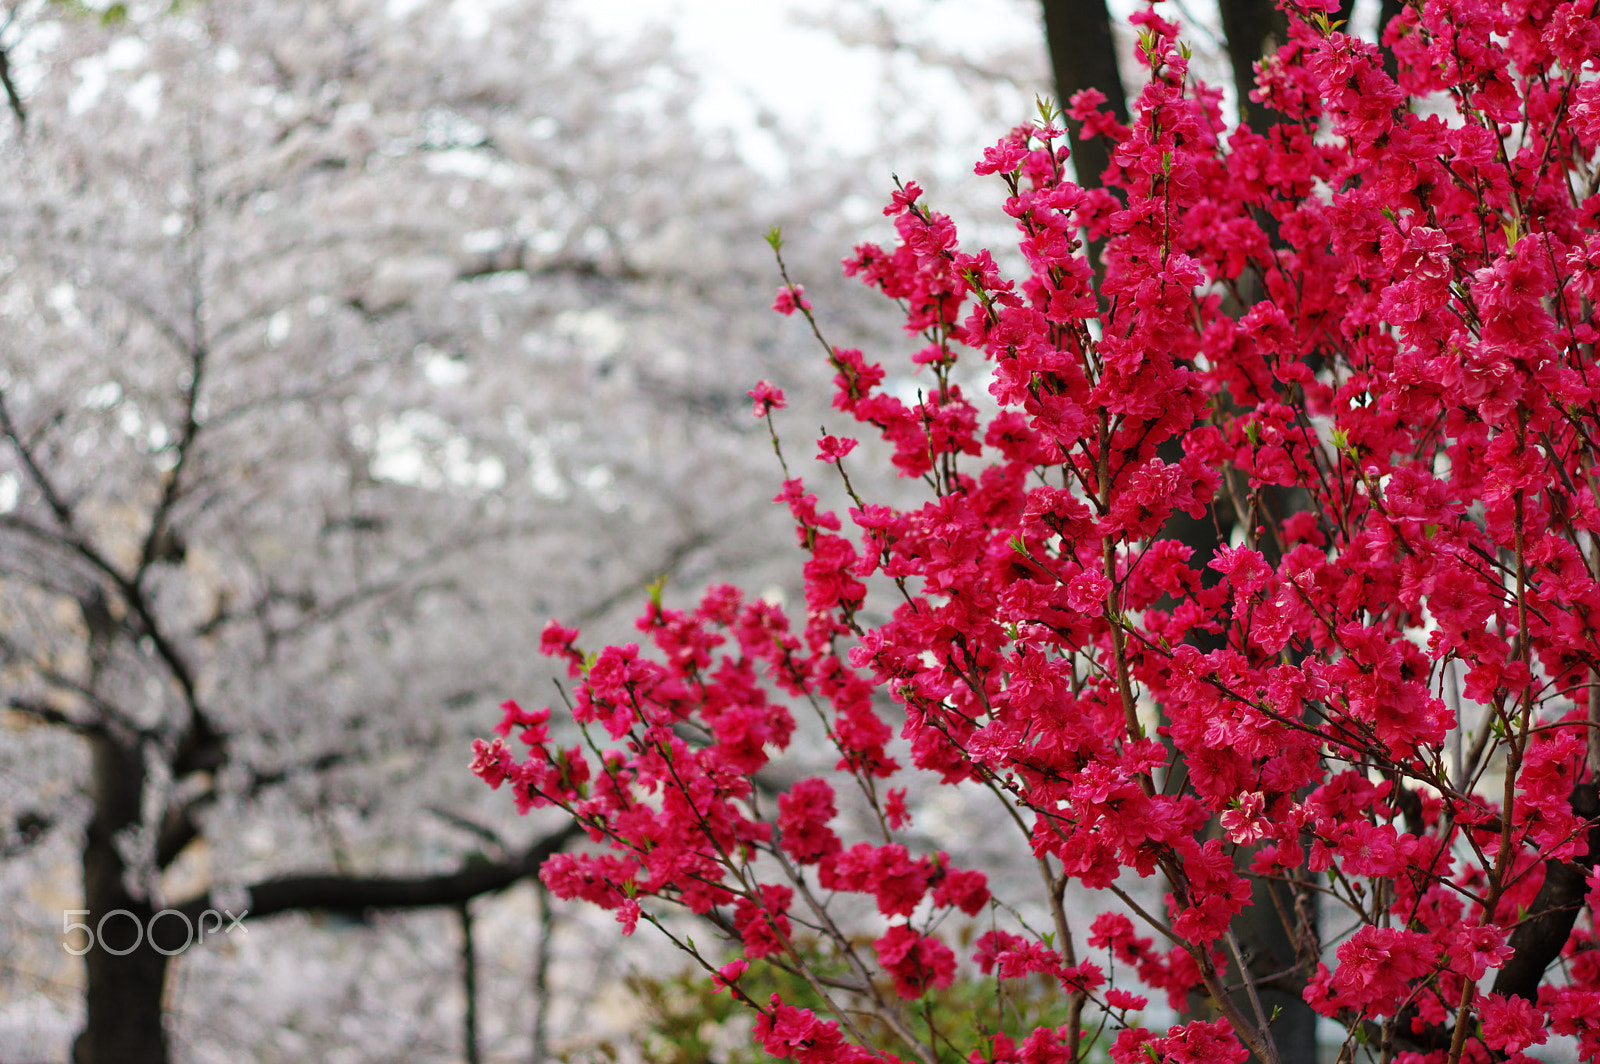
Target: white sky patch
x=483 y=241
x=475 y=17
x=92 y=79
x=601 y=484
x=752 y=57
x=29 y=56
x=473 y=163
x=130 y=421
x=125 y=53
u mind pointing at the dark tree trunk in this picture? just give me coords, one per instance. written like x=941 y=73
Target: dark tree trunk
x=469 y=984
x=1269 y=951
x=1388 y=10
x=1538 y=939
x=1084 y=56
x=130 y=950
x=125 y=1018
x=1253 y=28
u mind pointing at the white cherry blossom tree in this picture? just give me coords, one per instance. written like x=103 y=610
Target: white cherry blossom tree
x=341 y=345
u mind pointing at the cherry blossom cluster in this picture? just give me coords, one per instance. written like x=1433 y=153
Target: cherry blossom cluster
x=1358 y=347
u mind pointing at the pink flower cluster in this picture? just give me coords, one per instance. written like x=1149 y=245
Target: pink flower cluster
x=1363 y=339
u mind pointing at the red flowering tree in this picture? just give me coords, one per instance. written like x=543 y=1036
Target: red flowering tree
x=1368 y=334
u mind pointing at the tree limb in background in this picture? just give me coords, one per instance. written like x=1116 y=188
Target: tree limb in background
x=355 y=895
x=13 y=98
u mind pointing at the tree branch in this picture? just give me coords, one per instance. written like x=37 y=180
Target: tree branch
x=70 y=542
x=1539 y=938
x=12 y=96
x=52 y=716
x=58 y=504
x=360 y=894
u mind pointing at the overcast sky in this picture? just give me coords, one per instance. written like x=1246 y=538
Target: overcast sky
x=752 y=54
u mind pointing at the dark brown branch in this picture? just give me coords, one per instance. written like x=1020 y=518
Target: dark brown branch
x=13 y=98
x=1538 y=940
x=471 y=827
x=50 y=715
x=109 y=716
x=159 y=536
x=469 y=983
x=53 y=498
x=70 y=542
x=197 y=353
x=178 y=829
x=1253 y=29
x=360 y=894
x=1084 y=56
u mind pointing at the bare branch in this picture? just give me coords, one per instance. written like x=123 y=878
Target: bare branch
x=52 y=497
x=48 y=714
x=13 y=98
x=360 y=894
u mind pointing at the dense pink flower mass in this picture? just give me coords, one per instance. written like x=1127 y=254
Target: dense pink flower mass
x=1364 y=341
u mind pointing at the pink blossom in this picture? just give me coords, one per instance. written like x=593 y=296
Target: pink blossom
x=790 y=298
x=491 y=762
x=832 y=448
x=1087 y=592
x=1244 y=822
x=1122 y=999
x=766 y=398
x=628 y=916
x=803 y=816
x=894 y=809
x=964 y=889
x=915 y=961
x=729 y=974
x=1511 y=1024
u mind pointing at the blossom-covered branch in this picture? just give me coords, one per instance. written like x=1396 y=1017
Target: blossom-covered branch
x=1368 y=331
